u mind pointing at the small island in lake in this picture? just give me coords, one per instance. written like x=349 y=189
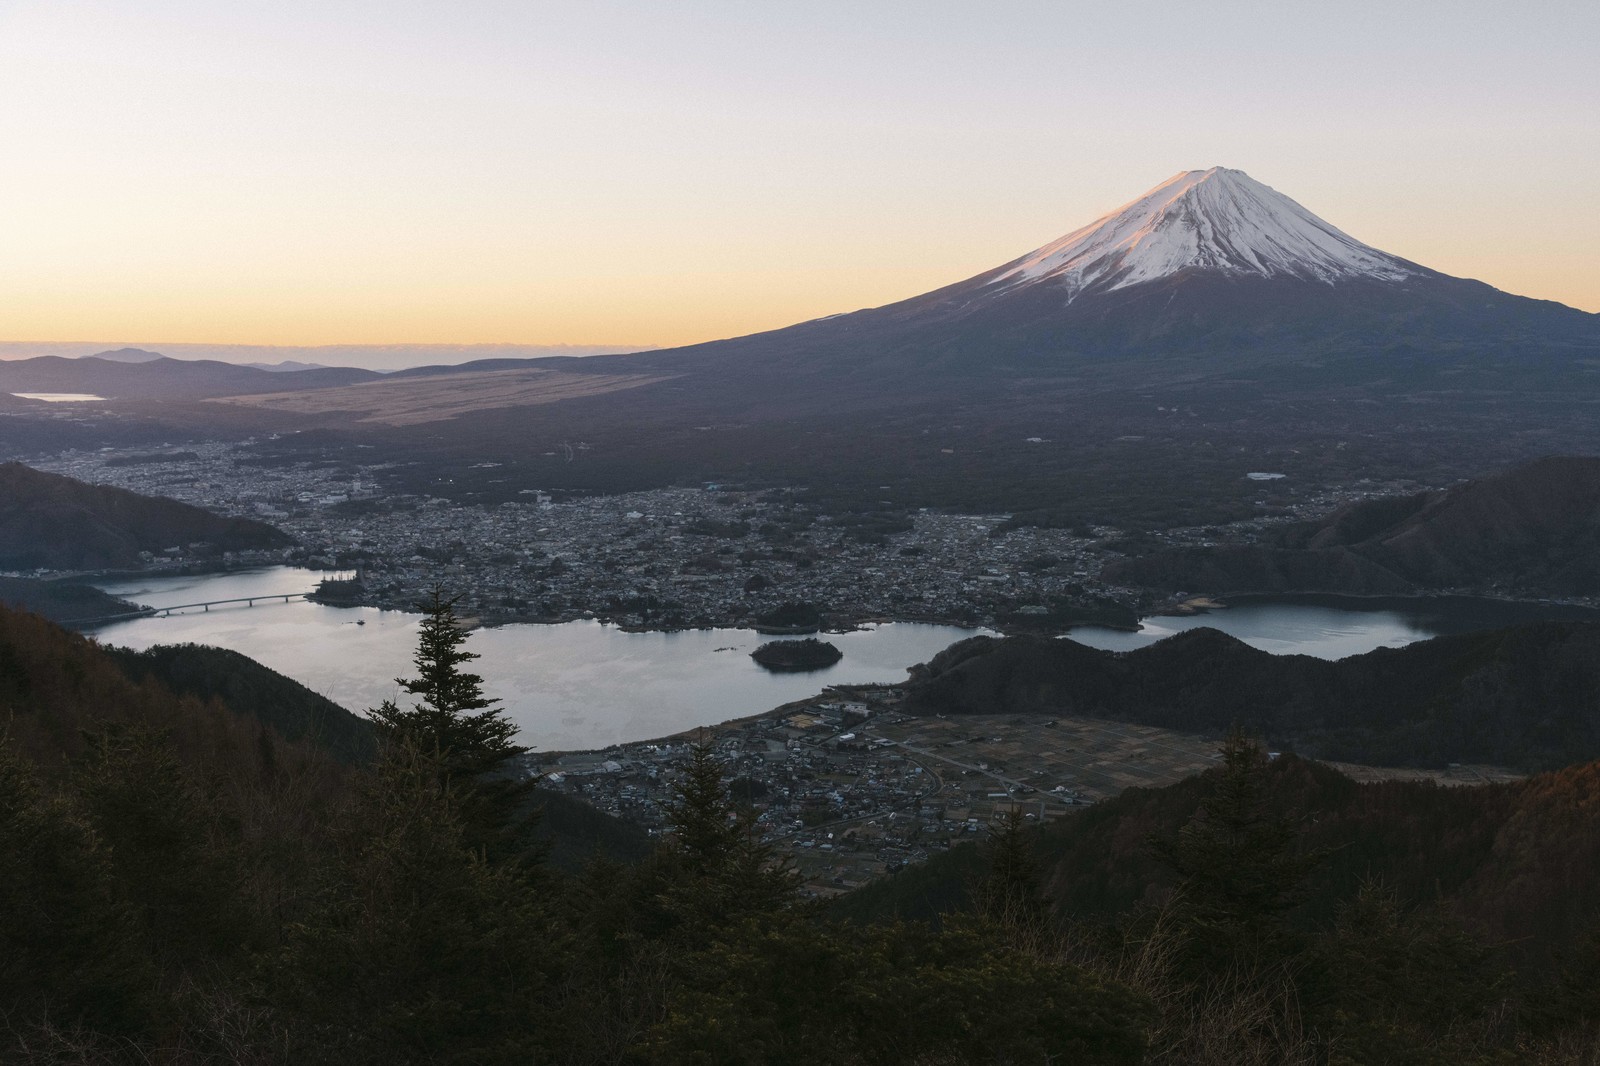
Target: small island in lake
x=796 y=655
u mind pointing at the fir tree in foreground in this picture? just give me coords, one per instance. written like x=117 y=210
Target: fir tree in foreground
x=467 y=731
x=463 y=734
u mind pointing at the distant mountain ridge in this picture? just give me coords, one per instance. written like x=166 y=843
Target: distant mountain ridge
x=118 y=376
x=126 y=355
x=52 y=522
x=1524 y=696
x=1533 y=529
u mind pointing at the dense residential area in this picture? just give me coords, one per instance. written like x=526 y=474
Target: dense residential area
x=673 y=558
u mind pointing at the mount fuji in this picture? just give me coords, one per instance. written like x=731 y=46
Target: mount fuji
x=1148 y=361
x=1217 y=221
x=1209 y=262
x=1137 y=358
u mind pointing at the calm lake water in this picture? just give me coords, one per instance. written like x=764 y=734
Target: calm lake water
x=586 y=685
x=572 y=686
x=1333 y=627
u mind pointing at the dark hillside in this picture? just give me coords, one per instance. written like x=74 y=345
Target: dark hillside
x=574 y=831
x=1526 y=696
x=1533 y=529
x=57 y=523
x=182 y=886
x=57 y=687
x=249 y=688
x=62 y=602
x=1519 y=861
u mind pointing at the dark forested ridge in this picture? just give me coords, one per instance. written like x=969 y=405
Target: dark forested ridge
x=182 y=884
x=57 y=523
x=245 y=686
x=1518 y=861
x=1533 y=529
x=1527 y=696
x=573 y=831
x=60 y=601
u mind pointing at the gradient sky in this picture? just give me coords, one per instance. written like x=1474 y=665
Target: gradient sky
x=288 y=173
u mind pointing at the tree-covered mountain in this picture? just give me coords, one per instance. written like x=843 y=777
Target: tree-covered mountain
x=1533 y=529
x=1517 y=860
x=65 y=602
x=1525 y=696
x=52 y=522
x=246 y=687
x=573 y=831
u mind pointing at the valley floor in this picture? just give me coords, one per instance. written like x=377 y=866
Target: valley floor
x=852 y=790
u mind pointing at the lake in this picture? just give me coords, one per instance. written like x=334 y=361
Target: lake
x=586 y=685
x=1333 y=627
x=572 y=686
x=58 y=397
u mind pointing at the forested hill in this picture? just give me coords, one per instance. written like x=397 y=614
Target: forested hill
x=1527 y=696
x=246 y=687
x=1517 y=861
x=571 y=830
x=52 y=522
x=1533 y=530
x=60 y=601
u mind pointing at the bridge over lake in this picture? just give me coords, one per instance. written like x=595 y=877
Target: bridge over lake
x=205 y=605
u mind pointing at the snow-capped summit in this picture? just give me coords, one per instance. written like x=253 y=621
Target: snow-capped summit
x=1209 y=273
x=1218 y=220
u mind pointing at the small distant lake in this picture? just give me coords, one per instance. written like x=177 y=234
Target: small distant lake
x=586 y=685
x=58 y=397
x=1333 y=627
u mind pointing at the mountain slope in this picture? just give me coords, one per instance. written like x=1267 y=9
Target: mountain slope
x=63 y=602
x=1515 y=858
x=1169 y=348
x=573 y=831
x=1533 y=529
x=52 y=522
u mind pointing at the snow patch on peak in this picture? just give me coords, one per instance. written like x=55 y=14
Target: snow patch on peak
x=1216 y=220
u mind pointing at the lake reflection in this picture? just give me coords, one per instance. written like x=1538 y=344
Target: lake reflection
x=570 y=686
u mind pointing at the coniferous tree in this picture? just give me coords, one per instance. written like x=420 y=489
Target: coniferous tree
x=464 y=735
x=154 y=822
x=1238 y=869
x=724 y=870
x=69 y=943
x=466 y=730
x=417 y=950
x=1012 y=895
x=1399 y=984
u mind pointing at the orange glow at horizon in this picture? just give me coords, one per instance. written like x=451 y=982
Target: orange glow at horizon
x=303 y=174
